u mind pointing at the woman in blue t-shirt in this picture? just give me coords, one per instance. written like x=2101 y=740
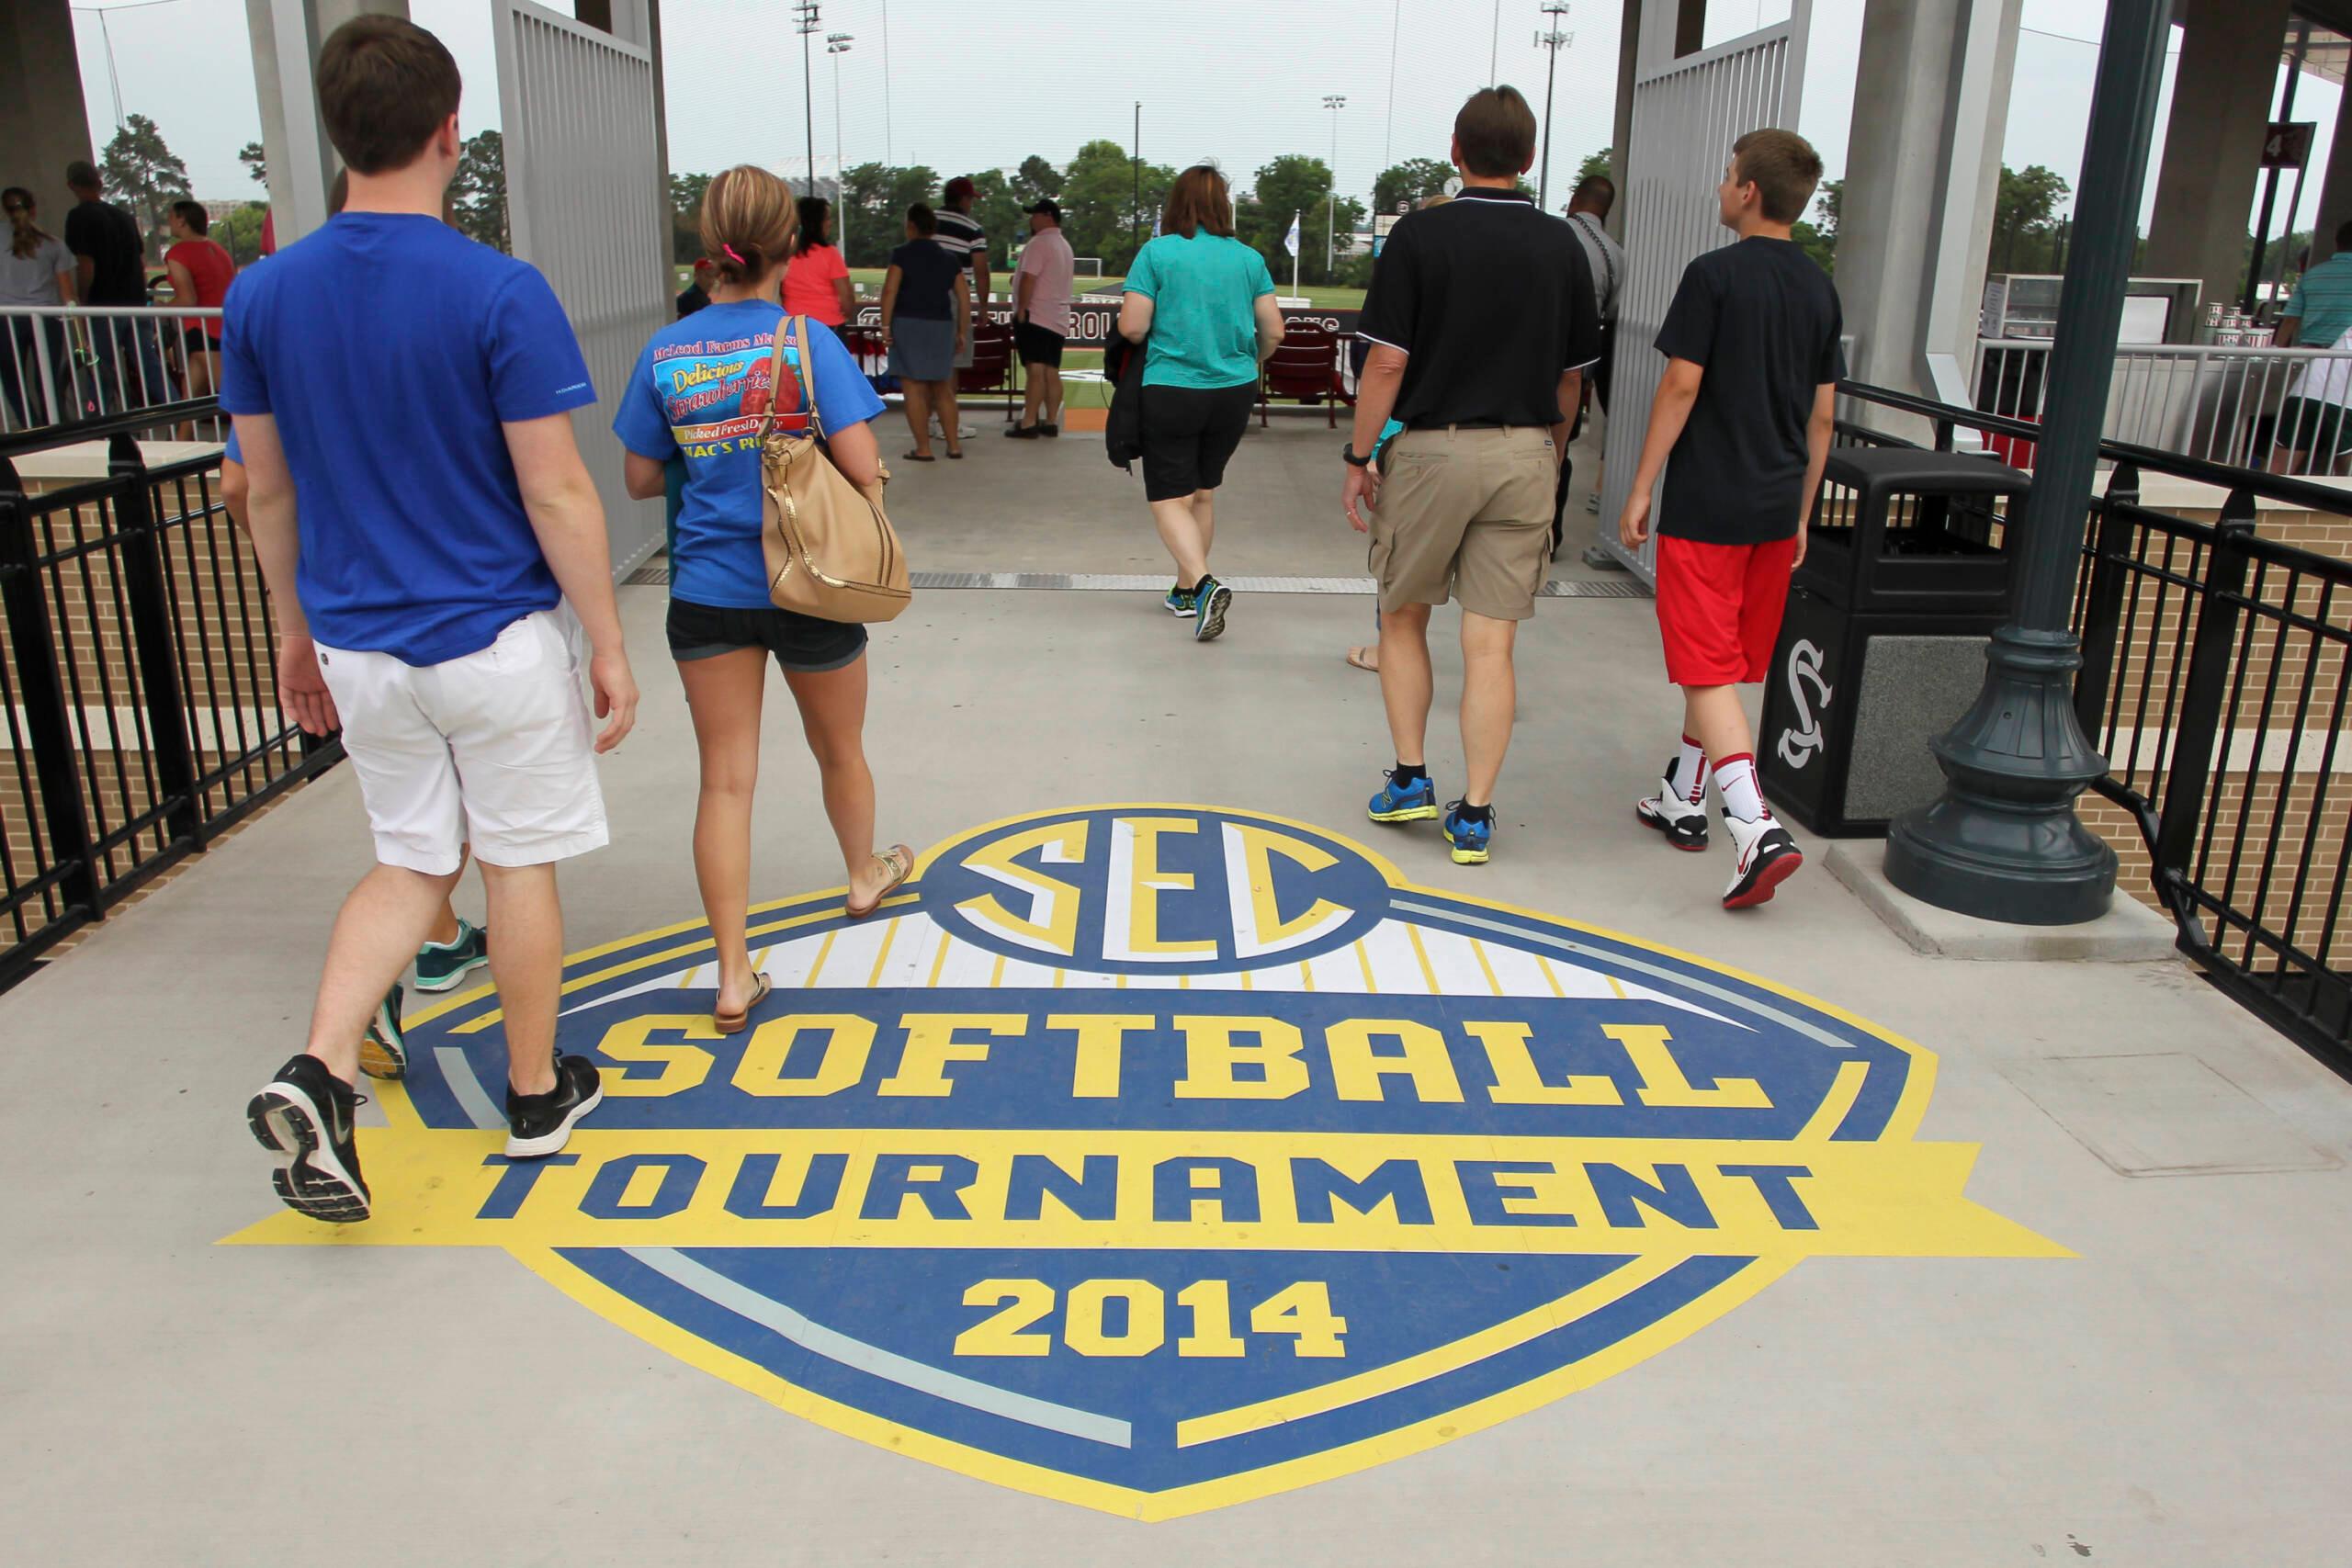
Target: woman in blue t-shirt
x=1202 y=303
x=698 y=392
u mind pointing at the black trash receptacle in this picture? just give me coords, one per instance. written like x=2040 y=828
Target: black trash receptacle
x=1906 y=575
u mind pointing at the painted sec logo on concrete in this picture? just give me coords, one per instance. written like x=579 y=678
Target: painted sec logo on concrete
x=1158 y=1158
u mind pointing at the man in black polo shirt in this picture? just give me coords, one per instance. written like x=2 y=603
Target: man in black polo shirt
x=1482 y=319
x=109 y=269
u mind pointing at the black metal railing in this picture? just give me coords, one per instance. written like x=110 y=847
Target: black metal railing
x=2215 y=681
x=138 y=676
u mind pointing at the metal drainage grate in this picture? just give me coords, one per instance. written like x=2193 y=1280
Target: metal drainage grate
x=652 y=574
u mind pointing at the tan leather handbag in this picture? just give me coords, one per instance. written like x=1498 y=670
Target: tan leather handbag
x=830 y=551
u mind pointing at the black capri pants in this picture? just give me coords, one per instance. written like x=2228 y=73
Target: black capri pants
x=1189 y=434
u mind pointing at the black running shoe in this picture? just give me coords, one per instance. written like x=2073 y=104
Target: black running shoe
x=539 y=1124
x=306 y=1117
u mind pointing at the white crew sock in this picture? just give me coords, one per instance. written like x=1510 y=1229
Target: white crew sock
x=1742 y=796
x=1688 y=776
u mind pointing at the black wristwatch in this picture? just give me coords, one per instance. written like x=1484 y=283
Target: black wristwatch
x=1348 y=451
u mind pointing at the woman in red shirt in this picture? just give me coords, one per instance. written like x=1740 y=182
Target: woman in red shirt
x=816 y=283
x=200 y=272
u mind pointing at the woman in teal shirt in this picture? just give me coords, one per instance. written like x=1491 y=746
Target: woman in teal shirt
x=1202 y=303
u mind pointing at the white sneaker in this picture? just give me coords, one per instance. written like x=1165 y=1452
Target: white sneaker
x=1766 y=856
x=1682 y=821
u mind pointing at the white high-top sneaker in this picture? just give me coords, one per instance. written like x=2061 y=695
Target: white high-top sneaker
x=1766 y=856
x=1681 y=817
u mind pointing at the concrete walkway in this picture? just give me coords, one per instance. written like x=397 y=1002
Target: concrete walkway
x=2178 y=1391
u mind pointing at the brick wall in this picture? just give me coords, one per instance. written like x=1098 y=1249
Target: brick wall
x=225 y=665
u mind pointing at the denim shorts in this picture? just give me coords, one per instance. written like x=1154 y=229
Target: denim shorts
x=802 y=644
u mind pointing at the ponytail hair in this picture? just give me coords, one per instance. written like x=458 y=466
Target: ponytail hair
x=748 y=220
x=27 y=234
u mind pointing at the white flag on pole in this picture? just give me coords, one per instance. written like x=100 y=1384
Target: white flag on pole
x=1290 y=241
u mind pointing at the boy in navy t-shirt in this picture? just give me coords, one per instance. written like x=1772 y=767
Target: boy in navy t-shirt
x=1744 y=412
x=403 y=401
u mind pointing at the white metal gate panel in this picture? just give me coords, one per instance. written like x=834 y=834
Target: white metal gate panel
x=585 y=205
x=1687 y=113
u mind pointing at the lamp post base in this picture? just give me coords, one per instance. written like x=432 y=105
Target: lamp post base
x=2004 y=842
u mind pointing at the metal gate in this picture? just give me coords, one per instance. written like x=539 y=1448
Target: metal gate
x=1687 y=113
x=585 y=205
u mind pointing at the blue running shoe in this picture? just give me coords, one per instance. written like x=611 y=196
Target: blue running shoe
x=1468 y=838
x=440 y=966
x=1414 y=802
x=1184 y=602
x=1214 y=599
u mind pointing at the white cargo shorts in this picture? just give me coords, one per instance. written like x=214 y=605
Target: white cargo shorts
x=496 y=749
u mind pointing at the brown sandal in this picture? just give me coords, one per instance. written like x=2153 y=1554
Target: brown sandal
x=736 y=1022
x=902 y=861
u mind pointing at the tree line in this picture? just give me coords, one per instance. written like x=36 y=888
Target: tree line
x=140 y=172
x=1109 y=205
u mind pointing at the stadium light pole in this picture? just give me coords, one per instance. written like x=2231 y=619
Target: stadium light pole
x=2004 y=842
x=1553 y=39
x=837 y=45
x=1335 y=102
x=807 y=13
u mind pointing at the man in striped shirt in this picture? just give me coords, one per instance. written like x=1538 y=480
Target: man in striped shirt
x=959 y=235
x=2322 y=307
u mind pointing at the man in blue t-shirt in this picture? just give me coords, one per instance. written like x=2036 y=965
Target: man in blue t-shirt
x=403 y=401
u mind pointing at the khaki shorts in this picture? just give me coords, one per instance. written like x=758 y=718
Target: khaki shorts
x=1465 y=514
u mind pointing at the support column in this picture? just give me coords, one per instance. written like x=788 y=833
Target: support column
x=303 y=164
x=2335 y=191
x=2004 y=842
x=639 y=22
x=2221 y=99
x=1923 y=174
x=1659 y=30
x=44 y=123
x=1620 y=132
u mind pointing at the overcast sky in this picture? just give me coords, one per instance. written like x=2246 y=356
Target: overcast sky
x=1237 y=83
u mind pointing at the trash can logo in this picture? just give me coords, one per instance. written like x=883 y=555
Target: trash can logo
x=1802 y=739
x=1158 y=1157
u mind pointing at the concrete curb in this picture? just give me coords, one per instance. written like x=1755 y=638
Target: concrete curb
x=2130 y=932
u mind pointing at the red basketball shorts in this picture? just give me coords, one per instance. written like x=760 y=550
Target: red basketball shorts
x=1719 y=608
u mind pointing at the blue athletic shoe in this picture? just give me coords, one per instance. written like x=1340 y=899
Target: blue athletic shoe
x=1184 y=602
x=1212 y=599
x=440 y=965
x=1468 y=838
x=1414 y=802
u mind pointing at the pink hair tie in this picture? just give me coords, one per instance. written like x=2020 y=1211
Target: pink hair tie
x=739 y=261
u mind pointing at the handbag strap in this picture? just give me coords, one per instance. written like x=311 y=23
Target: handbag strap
x=808 y=378
x=807 y=373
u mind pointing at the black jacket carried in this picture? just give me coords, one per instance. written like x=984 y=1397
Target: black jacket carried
x=1123 y=427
